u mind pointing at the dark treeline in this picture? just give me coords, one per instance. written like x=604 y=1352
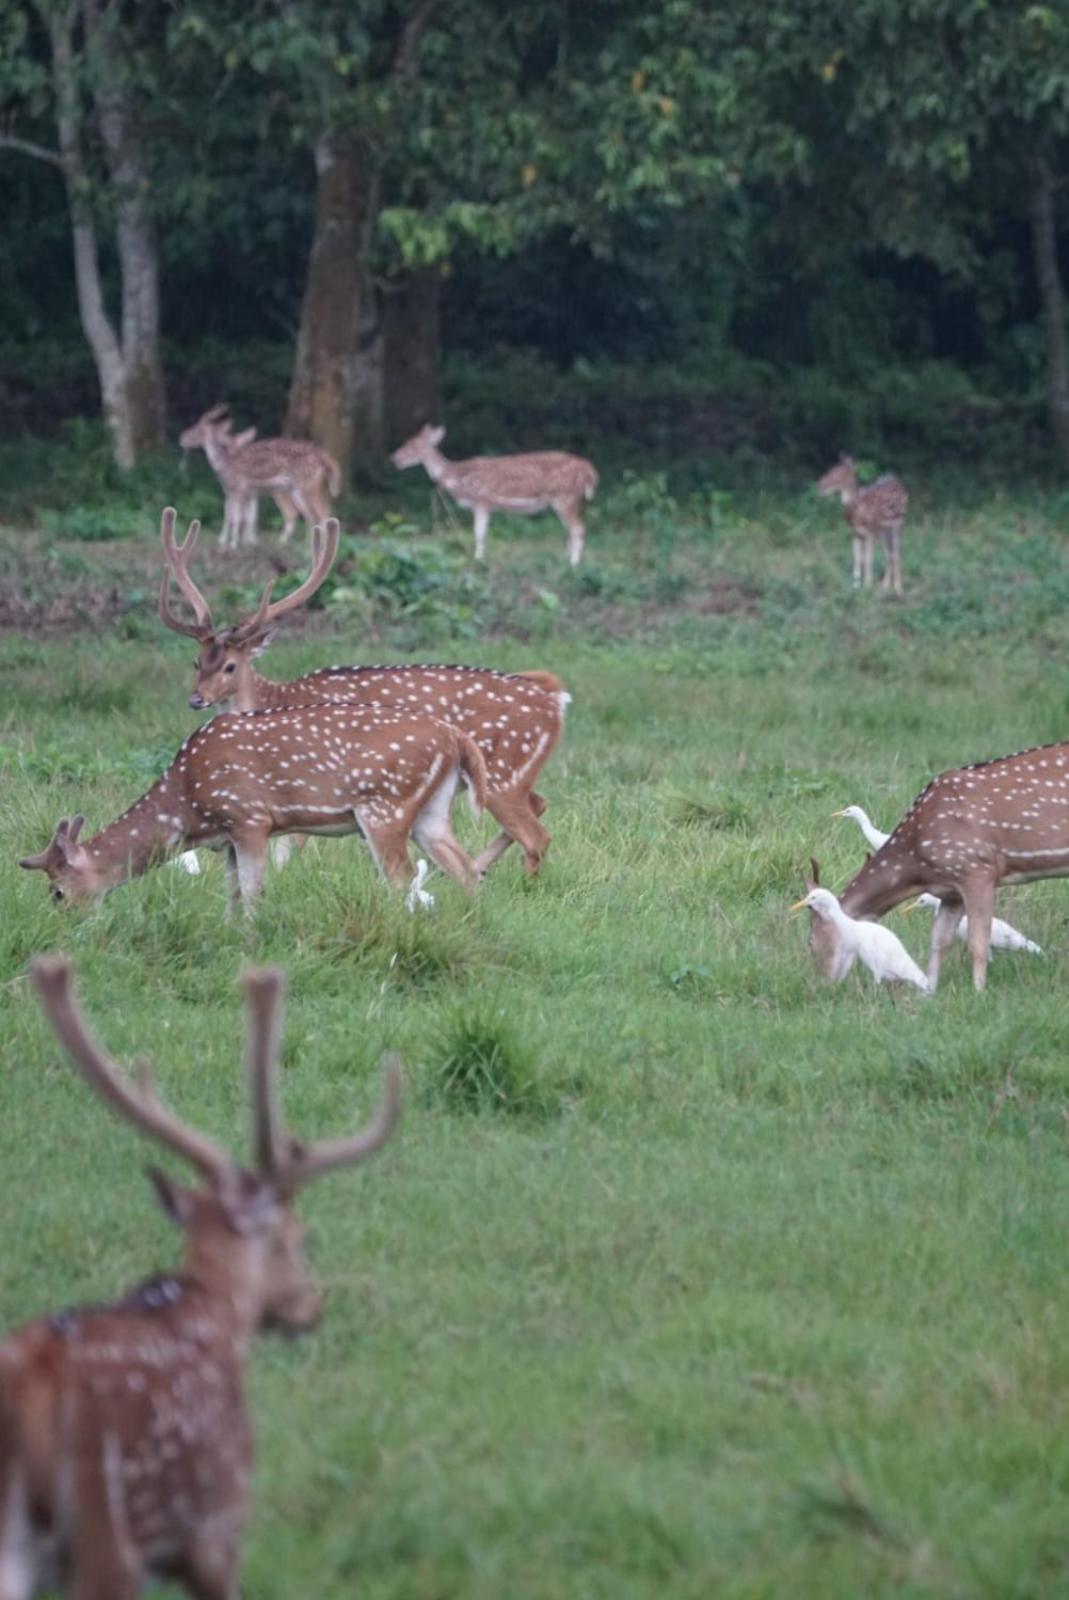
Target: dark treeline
x=790 y=186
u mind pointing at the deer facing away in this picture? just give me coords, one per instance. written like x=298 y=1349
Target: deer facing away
x=242 y=778
x=295 y=472
x=516 y=719
x=548 y=480
x=876 y=511
x=970 y=831
x=125 y=1439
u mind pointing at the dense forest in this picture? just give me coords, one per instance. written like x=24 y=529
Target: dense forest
x=765 y=226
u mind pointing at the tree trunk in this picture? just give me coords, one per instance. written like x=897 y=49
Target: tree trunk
x=135 y=239
x=323 y=391
x=129 y=369
x=412 y=340
x=1052 y=299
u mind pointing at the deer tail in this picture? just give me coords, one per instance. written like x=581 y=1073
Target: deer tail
x=473 y=770
x=543 y=680
x=591 y=483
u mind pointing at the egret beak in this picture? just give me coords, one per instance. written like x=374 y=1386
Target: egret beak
x=911 y=905
x=799 y=905
x=839 y=813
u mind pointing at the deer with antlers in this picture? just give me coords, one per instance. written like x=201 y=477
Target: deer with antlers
x=243 y=778
x=516 y=719
x=125 y=1438
x=876 y=511
x=295 y=472
x=545 y=480
x=972 y=830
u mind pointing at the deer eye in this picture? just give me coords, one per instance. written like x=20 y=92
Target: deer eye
x=231 y=666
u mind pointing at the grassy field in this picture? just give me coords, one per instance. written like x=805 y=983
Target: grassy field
x=688 y=1274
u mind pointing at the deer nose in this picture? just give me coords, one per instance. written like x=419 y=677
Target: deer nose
x=197 y=701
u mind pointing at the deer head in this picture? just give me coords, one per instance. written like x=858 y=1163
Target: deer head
x=224 y=661
x=243 y=1239
x=843 y=476
x=415 y=451
x=68 y=865
x=196 y=436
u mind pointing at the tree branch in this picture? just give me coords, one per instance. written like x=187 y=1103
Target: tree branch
x=9 y=141
x=405 y=63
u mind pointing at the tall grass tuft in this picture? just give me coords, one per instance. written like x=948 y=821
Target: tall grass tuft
x=478 y=1063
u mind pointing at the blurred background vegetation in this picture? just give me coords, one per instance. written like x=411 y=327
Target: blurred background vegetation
x=745 y=236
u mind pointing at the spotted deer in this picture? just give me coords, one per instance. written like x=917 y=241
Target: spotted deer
x=876 y=511
x=243 y=778
x=972 y=830
x=516 y=719
x=125 y=1438
x=548 y=480
x=295 y=472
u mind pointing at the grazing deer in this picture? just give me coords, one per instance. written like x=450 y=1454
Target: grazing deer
x=875 y=512
x=296 y=472
x=125 y=1438
x=549 y=480
x=970 y=831
x=515 y=718
x=241 y=779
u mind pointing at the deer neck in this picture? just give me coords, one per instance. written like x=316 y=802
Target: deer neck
x=886 y=879
x=254 y=692
x=229 y=1269
x=436 y=464
x=217 y=455
x=142 y=837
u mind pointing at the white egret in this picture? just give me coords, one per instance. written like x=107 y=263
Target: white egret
x=877 y=947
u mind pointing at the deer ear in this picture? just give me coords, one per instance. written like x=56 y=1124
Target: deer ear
x=176 y=1201
x=38 y=863
x=815 y=864
x=262 y=641
x=76 y=826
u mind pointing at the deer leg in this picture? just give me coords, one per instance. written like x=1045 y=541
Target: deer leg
x=482 y=520
x=18 y=1557
x=979 y=906
x=300 y=500
x=433 y=832
x=519 y=822
x=211 y=1568
x=285 y=504
x=569 y=514
x=896 y=540
x=388 y=843
x=858 y=541
x=250 y=854
x=870 y=546
x=944 y=927
x=252 y=505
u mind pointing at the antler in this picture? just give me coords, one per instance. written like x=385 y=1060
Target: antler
x=139 y=1104
x=276 y=1154
x=301 y=1165
x=176 y=557
x=324 y=549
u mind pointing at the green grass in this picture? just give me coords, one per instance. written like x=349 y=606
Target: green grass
x=688 y=1274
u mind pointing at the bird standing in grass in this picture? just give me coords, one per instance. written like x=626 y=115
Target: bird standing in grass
x=1003 y=935
x=878 y=948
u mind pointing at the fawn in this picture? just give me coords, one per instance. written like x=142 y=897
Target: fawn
x=874 y=512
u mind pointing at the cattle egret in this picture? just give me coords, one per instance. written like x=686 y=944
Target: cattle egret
x=878 y=948
x=417 y=894
x=188 y=862
x=865 y=823
x=1003 y=935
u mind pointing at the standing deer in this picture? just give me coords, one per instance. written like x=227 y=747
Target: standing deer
x=296 y=472
x=125 y=1439
x=547 y=480
x=971 y=830
x=874 y=512
x=515 y=718
x=241 y=779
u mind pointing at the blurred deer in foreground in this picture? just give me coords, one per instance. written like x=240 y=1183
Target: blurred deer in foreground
x=515 y=718
x=874 y=512
x=125 y=1440
x=549 y=480
x=295 y=472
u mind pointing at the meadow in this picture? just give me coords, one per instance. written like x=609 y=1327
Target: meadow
x=688 y=1274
